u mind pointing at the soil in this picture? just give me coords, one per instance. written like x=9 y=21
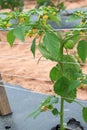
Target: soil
x=18 y=66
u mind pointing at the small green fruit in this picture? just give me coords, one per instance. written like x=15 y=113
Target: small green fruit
x=69 y=44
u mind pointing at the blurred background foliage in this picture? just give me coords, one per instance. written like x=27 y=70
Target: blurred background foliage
x=12 y=4
x=19 y=4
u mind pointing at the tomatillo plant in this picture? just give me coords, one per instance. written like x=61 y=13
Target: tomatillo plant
x=66 y=75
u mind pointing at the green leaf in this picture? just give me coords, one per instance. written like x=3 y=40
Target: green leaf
x=73 y=17
x=19 y=33
x=11 y=37
x=46 y=101
x=71 y=68
x=71 y=96
x=61 y=87
x=55 y=73
x=55 y=19
x=52 y=44
x=82 y=50
x=59 y=35
x=49 y=101
x=55 y=112
x=35 y=113
x=50 y=107
x=84 y=114
x=73 y=85
x=40 y=12
x=45 y=52
x=76 y=36
x=33 y=46
x=84 y=81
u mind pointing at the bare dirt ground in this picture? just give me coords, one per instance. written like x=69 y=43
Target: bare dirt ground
x=18 y=66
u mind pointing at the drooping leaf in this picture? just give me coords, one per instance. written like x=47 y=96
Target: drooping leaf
x=84 y=114
x=45 y=52
x=35 y=113
x=19 y=33
x=52 y=44
x=10 y=37
x=55 y=112
x=46 y=101
x=33 y=46
x=55 y=73
x=82 y=50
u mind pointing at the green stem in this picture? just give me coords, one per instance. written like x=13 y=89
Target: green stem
x=61 y=114
x=62 y=99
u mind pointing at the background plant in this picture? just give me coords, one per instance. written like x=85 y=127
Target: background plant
x=13 y=5
x=54 y=45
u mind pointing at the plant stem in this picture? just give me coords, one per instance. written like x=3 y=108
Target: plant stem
x=62 y=99
x=61 y=114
